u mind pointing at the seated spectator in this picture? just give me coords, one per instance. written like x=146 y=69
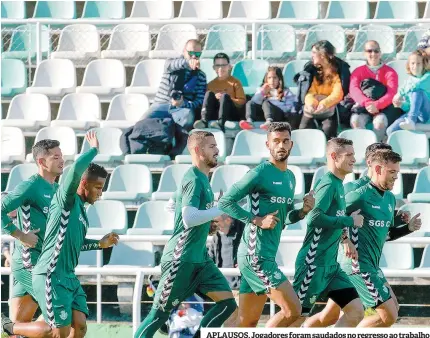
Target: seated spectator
x=414 y=95
x=271 y=103
x=372 y=88
x=322 y=85
x=182 y=88
x=424 y=43
x=225 y=97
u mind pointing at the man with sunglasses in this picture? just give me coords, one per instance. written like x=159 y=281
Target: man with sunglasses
x=182 y=87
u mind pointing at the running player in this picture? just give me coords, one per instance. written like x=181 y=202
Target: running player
x=270 y=187
x=317 y=270
x=32 y=199
x=186 y=267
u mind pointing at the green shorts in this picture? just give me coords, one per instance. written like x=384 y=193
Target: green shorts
x=371 y=287
x=180 y=280
x=311 y=282
x=259 y=274
x=58 y=296
x=22 y=283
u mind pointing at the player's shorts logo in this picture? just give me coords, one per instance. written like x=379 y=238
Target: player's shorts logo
x=63 y=315
x=277 y=275
x=313 y=299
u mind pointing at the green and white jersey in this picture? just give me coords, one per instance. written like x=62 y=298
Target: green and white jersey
x=269 y=189
x=189 y=244
x=354 y=185
x=325 y=224
x=32 y=199
x=378 y=212
x=67 y=224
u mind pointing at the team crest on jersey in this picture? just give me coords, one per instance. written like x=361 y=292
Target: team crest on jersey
x=175 y=302
x=313 y=299
x=277 y=275
x=390 y=208
x=291 y=185
x=63 y=315
x=380 y=274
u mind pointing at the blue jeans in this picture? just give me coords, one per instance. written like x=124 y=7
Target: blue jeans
x=418 y=112
x=182 y=116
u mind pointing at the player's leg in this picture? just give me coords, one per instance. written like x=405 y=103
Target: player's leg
x=23 y=306
x=353 y=312
x=250 y=308
x=393 y=296
x=386 y=316
x=79 y=312
x=37 y=329
x=328 y=316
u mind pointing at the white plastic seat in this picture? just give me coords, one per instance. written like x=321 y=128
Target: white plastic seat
x=424 y=210
x=29 y=112
x=65 y=135
x=413 y=147
x=105 y=77
x=19 y=173
x=354 y=10
x=406 y=10
x=275 y=41
x=227 y=38
x=353 y=64
x=129 y=183
x=203 y=10
x=171 y=40
x=107 y=216
x=13 y=10
x=410 y=42
x=146 y=77
x=109 y=150
x=152 y=219
x=400 y=67
x=425 y=260
x=152 y=9
x=55 y=10
x=132 y=254
x=78 y=111
x=362 y=138
x=287 y=254
x=249 y=148
x=251 y=9
x=399 y=256
x=125 y=110
x=309 y=147
x=298 y=10
x=421 y=191
x=290 y=70
x=103 y=10
x=128 y=42
x=223 y=177
x=12 y=145
x=79 y=43
x=54 y=78
x=170 y=180
x=299 y=192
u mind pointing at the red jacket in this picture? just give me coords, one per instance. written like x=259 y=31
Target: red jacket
x=385 y=75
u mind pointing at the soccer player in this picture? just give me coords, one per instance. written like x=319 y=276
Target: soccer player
x=186 y=267
x=317 y=269
x=270 y=187
x=32 y=199
x=56 y=287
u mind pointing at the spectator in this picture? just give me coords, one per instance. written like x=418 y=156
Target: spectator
x=271 y=103
x=182 y=88
x=414 y=96
x=424 y=43
x=322 y=85
x=372 y=88
x=225 y=97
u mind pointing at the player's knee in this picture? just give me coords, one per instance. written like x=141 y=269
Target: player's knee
x=80 y=330
x=292 y=312
x=329 y=318
x=389 y=316
x=248 y=322
x=355 y=313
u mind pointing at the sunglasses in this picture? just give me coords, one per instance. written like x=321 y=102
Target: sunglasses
x=196 y=54
x=376 y=51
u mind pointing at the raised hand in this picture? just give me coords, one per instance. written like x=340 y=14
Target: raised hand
x=308 y=202
x=109 y=240
x=415 y=223
x=358 y=219
x=92 y=140
x=405 y=216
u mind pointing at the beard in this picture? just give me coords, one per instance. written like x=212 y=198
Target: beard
x=211 y=162
x=280 y=157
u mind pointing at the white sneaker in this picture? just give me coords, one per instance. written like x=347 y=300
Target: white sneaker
x=407 y=124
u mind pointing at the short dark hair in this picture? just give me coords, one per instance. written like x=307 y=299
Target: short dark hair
x=42 y=148
x=197 y=137
x=376 y=146
x=386 y=156
x=221 y=56
x=338 y=142
x=278 y=127
x=94 y=172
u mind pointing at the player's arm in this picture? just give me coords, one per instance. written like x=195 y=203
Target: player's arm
x=298 y=214
x=401 y=228
x=106 y=242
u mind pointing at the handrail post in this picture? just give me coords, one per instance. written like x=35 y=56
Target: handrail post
x=99 y=287
x=254 y=40
x=38 y=43
x=137 y=296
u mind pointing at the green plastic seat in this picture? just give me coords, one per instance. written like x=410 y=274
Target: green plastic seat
x=13 y=77
x=104 y=10
x=421 y=191
x=226 y=38
x=206 y=65
x=55 y=9
x=298 y=10
x=290 y=70
x=413 y=147
x=353 y=10
x=406 y=10
x=410 y=42
x=250 y=73
x=13 y=10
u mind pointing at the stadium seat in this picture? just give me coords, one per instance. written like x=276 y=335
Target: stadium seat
x=298 y=10
x=290 y=70
x=353 y=64
x=400 y=67
x=79 y=43
x=171 y=40
x=425 y=260
x=426 y=14
x=353 y=10
x=107 y=216
x=398 y=185
x=424 y=210
x=146 y=77
x=381 y=33
x=399 y=256
x=125 y=110
x=104 y=10
x=54 y=78
x=103 y=77
x=29 y=112
x=299 y=192
x=224 y=176
x=400 y=10
x=249 y=148
x=250 y=9
x=55 y=9
x=13 y=77
x=410 y=42
x=220 y=140
x=333 y=33
x=154 y=161
x=250 y=73
x=321 y=171
x=152 y=219
x=128 y=42
x=109 y=149
x=202 y=10
x=12 y=145
x=170 y=180
x=19 y=173
x=206 y=65
x=152 y=10
x=132 y=254
x=227 y=38
x=309 y=147
x=362 y=138
x=23 y=44
x=287 y=254
x=129 y=183
x=276 y=42
x=78 y=111
x=65 y=135
x=421 y=191
x=13 y=10
x=412 y=146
